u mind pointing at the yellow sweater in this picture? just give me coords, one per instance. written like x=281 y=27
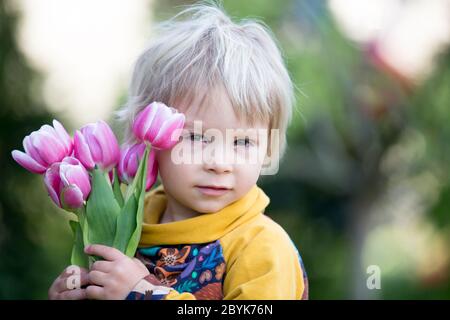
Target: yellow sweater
x=235 y=253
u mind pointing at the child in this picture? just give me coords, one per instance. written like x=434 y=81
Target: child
x=205 y=235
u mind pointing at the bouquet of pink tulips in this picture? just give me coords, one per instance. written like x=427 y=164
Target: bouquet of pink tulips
x=83 y=175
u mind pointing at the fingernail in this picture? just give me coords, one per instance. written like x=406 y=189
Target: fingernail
x=86 y=249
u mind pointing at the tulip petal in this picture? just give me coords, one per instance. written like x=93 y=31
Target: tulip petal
x=72 y=196
x=92 y=142
x=109 y=146
x=82 y=152
x=32 y=152
x=129 y=163
x=75 y=174
x=163 y=114
x=152 y=170
x=170 y=132
x=71 y=160
x=53 y=183
x=27 y=162
x=63 y=136
x=144 y=120
x=122 y=164
x=138 y=150
x=50 y=150
x=132 y=165
x=140 y=123
x=51 y=132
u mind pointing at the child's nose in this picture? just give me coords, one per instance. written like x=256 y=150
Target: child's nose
x=219 y=168
x=218 y=161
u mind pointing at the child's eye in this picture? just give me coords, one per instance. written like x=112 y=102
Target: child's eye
x=195 y=137
x=245 y=142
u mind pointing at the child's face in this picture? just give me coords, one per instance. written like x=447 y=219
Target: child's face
x=232 y=159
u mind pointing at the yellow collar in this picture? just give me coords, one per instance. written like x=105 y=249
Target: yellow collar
x=200 y=229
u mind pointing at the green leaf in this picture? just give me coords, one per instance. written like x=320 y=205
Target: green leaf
x=81 y=213
x=126 y=224
x=140 y=179
x=102 y=210
x=78 y=256
x=116 y=189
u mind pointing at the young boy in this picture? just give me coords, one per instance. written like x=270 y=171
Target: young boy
x=205 y=235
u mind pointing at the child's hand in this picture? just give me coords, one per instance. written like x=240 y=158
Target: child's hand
x=115 y=277
x=63 y=288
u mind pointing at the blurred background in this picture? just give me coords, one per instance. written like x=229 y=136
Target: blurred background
x=365 y=181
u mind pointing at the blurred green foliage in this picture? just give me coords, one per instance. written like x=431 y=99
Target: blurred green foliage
x=34 y=240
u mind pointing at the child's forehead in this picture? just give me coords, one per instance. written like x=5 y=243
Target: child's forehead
x=199 y=102
x=214 y=109
x=214 y=119
x=220 y=117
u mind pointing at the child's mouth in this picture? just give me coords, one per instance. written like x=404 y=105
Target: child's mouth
x=213 y=190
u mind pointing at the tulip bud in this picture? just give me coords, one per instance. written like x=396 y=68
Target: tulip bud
x=159 y=125
x=68 y=183
x=129 y=164
x=96 y=144
x=44 y=147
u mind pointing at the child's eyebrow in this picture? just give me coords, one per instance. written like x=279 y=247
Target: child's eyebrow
x=190 y=124
x=204 y=127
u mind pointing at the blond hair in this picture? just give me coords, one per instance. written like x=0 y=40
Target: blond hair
x=201 y=47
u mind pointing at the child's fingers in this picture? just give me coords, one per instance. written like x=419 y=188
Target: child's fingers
x=98 y=278
x=70 y=280
x=108 y=253
x=95 y=292
x=62 y=284
x=73 y=269
x=103 y=266
x=76 y=294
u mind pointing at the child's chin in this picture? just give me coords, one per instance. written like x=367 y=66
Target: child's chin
x=210 y=207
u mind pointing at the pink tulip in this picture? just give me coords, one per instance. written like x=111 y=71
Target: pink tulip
x=129 y=163
x=96 y=144
x=159 y=125
x=44 y=147
x=68 y=179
